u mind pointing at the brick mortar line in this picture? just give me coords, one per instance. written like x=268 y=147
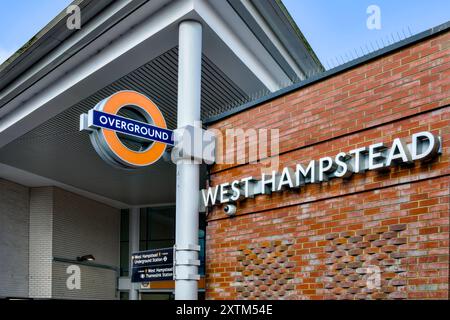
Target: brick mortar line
x=371 y=91
x=387 y=84
x=355 y=108
x=336 y=137
x=334 y=197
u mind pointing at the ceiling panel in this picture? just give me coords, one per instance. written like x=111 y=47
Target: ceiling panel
x=59 y=151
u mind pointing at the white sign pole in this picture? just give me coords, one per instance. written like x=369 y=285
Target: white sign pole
x=189 y=87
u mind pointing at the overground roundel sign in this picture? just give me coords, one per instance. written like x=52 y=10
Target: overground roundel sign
x=127 y=130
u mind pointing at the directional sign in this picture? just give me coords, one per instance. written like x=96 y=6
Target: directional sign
x=152 y=265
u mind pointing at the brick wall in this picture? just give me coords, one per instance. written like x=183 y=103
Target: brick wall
x=330 y=240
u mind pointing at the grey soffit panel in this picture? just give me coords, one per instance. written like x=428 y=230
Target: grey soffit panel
x=57 y=149
x=158 y=80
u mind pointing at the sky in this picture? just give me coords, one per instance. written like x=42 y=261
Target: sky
x=334 y=28
x=20 y=20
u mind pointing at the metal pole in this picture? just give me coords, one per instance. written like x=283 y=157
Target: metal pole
x=189 y=86
x=134 y=247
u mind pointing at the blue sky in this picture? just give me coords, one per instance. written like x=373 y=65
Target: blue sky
x=20 y=20
x=334 y=28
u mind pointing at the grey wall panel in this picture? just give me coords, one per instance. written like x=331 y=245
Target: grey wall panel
x=82 y=226
x=14 y=222
x=96 y=283
x=40 y=262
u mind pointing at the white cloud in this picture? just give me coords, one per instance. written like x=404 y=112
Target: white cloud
x=4 y=54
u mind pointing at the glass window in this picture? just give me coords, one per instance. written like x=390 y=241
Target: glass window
x=143 y=245
x=124 y=225
x=161 y=224
x=157 y=230
x=124 y=259
x=157 y=296
x=124 y=295
x=124 y=244
x=143 y=225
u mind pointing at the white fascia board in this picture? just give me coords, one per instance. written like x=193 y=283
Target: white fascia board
x=90 y=66
x=272 y=36
x=32 y=180
x=244 y=45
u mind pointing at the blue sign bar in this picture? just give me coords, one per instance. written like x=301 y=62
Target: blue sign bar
x=131 y=127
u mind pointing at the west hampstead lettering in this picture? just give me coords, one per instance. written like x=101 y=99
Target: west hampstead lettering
x=424 y=146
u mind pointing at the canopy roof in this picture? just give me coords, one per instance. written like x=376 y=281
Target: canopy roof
x=250 y=48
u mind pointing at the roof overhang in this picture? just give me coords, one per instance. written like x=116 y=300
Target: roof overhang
x=240 y=38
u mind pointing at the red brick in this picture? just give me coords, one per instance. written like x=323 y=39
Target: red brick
x=407 y=207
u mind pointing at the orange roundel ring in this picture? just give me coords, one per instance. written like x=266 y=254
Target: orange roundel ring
x=112 y=105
